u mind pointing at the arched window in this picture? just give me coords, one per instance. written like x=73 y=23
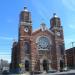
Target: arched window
x=27 y=47
x=43 y=43
x=61 y=49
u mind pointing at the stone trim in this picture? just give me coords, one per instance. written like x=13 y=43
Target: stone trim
x=25 y=23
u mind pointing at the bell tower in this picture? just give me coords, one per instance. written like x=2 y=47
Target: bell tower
x=25 y=31
x=25 y=28
x=57 y=29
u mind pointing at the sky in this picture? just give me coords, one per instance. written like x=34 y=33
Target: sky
x=41 y=10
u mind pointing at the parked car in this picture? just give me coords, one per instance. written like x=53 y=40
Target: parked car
x=66 y=69
x=36 y=72
x=5 y=72
x=51 y=71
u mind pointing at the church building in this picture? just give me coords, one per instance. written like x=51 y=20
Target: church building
x=39 y=50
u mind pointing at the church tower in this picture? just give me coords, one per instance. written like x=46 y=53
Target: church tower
x=57 y=29
x=25 y=28
x=25 y=31
x=56 y=25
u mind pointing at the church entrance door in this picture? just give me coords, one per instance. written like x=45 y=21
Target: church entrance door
x=45 y=65
x=26 y=65
x=61 y=64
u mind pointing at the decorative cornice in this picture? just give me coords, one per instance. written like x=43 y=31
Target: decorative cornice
x=26 y=23
x=56 y=28
x=24 y=36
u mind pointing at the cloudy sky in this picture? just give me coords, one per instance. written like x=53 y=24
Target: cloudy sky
x=41 y=10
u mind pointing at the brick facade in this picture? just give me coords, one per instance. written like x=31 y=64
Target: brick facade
x=70 y=57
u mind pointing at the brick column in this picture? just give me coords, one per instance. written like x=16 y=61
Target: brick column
x=41 y=67
x=58 y=57
x=33 y=55
x=65 y=57
x=22 y=55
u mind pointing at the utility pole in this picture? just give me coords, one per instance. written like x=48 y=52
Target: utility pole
x=73 y=54
x=1 y=65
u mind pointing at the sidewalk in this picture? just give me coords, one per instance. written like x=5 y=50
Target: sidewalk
x=59 y=73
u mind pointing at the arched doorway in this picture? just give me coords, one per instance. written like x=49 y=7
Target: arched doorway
x=26 y=65
x=45 y=65
x=61 y=64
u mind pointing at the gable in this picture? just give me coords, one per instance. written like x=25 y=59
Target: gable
x=39 y=31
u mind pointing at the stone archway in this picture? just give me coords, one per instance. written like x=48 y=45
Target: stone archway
x=27 y=65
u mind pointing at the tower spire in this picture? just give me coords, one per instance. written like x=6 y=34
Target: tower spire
x=25 y=15
x=25 y=9
x=55 y=21
x=54 y=15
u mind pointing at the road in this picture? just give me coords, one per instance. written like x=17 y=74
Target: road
x=71 y=72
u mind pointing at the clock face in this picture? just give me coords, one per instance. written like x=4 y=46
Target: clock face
x=43 y=43
x=58 y=33
x=26 y=29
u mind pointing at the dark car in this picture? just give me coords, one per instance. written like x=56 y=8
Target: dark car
x=36 y=72
x=51 y=71
x=5 y=72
